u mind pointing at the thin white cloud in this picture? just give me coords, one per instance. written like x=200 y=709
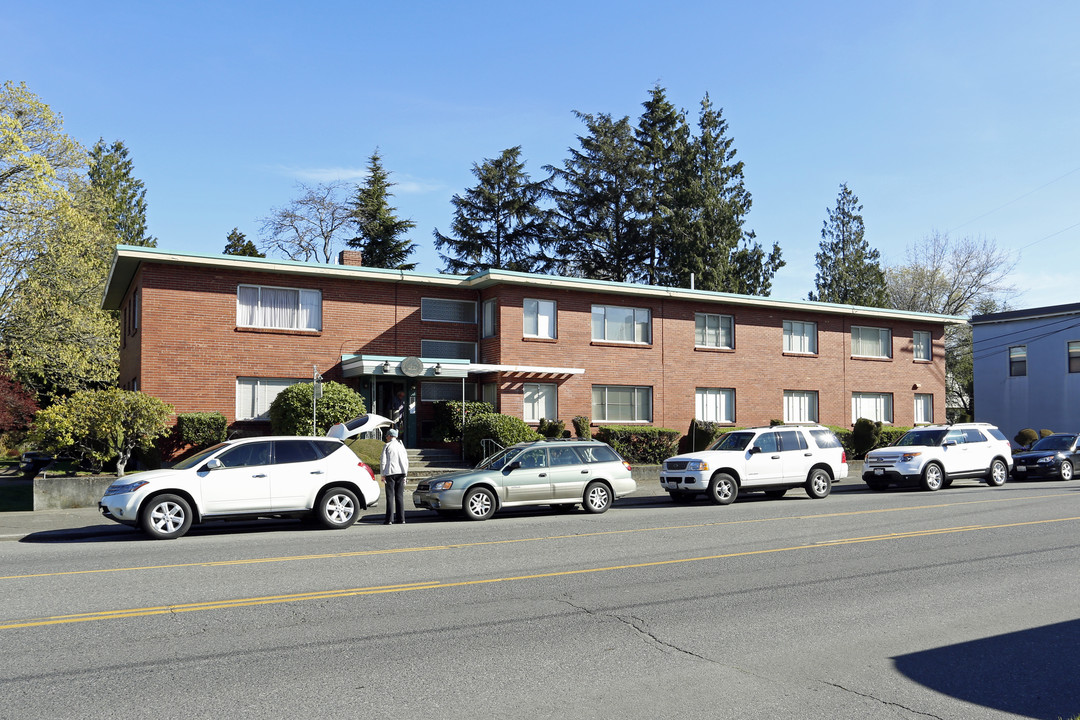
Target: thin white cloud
x=403 y=184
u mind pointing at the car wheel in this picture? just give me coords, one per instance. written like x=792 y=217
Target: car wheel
x=1066 y=472
x=777 y=493
x=819 y=484
x=166 y=517
x=682 y=498
x=337 y=508
x=933 y=477
x=999 y=473
x=597 y=497
x=946 y=483
x=479 y=504
x=877 y=485
x=723 y=489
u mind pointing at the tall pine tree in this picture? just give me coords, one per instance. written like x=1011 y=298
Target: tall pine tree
x=849 y=270
x=124 y=195
x=498 y=223
x=379 y=229
x=237 y=244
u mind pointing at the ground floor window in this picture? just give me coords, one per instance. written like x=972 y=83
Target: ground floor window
x=872 y=406
x=924 y=408
x=714 y=405
x=800 y=406
x=621 y=403
x=435 y=391
x=489 y=393
x=254 y=395
x=540 y=402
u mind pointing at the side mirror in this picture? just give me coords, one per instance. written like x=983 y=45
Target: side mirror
x=214 y=464
x=756 y=449
x=947 y=443
x=516 y=465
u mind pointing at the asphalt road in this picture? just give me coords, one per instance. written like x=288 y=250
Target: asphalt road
x=956 y=604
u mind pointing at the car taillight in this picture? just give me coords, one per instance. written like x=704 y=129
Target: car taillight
x=626 y=465
x=368 y=468
x=843 y=457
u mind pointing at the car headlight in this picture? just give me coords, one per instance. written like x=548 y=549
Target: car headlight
x=115 y=489
x=1046 y=460
x=697 y=465
x=908 y=457
x=444 y=485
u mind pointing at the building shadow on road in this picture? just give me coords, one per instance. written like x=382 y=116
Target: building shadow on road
x=1035 y=673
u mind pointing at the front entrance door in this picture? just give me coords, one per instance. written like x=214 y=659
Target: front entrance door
x=389 y=394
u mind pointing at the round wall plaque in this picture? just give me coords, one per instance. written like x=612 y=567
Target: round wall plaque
x=412 y=366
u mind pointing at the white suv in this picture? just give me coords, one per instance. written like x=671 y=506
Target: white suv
x=934 y=455
x=773 y=459
x=251 y=477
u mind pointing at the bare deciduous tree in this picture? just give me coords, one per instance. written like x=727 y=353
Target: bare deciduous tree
x=308 y=227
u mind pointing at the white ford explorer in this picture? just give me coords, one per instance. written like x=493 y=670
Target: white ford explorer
x=934 y=455
x=773 y=459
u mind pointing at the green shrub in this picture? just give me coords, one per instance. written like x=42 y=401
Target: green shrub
x=448 y=415
x=1026 y=437
x=503 y=429
x=1044 y=432
x=704 y=433
x=583 y=427
x=843 y=434
x=889 y=435
x=865 y=436
x=201 y=430
x=290 y=413
x=640 y=444
x=551 y=428
x=774 y=422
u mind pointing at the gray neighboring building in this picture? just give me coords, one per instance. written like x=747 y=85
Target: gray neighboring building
x=1027 y=369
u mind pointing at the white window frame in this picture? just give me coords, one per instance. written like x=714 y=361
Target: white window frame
x=860 y=340
x=923 y=350
x=256 y=407
x=714 y=405
x=306 y=313
x=540 y=401
x=924 y=408
x=800 y=406
x=488 y=314
x=428 y=304
x=640 y=317
x=426 y=352
x=800 y=337
x=535 y=323
x=641 y=404
x=882 y=410
x=723 y=334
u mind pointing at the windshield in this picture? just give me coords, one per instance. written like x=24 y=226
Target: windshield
x=733 y=441
x=499 y=459
x=198 y=458
x=922 y=438
x=1054 y=442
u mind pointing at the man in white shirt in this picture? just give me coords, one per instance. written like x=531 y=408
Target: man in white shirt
x=395 y=466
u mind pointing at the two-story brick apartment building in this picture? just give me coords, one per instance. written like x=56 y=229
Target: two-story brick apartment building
x=227 y=333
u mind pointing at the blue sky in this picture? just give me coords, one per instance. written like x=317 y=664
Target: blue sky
x=959 y=117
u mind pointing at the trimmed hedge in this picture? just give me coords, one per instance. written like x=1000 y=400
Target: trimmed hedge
x=290 y=413
x=1026 y=437
x=886 y=435
x=201 y=429
x=448 y=417
x=503 y=429
x=551 y=428
x=641 y=444
x=704 y=433
x=582 y=427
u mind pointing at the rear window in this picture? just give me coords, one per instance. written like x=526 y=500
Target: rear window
x=825 y=438
x=599 y=454
x=996 y=434
x=791 y=440
x=971 y=435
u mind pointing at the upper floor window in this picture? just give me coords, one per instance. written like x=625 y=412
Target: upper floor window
x=621 y=324
x=446 y=310
x=539 y=318
x=278 y=308
x=1018 y=360
x=872 y=406
x=923 y=349
x=487 y=327
x=800 y=337
x=717 y=331
x=1074 y=356
x=871 y=342
x=448 y=349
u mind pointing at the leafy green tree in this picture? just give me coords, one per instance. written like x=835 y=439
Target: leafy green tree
x=379 y=230
x=100 y=425
x=290 y=413
x=849 y=270
x=237 y=244
x=499 y=222
x=111 y=174
x=599 y=196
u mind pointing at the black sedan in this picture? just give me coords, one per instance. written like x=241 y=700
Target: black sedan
x=1054 y=456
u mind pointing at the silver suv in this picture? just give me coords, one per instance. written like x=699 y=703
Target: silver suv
x=773 y=459
x=935 y=455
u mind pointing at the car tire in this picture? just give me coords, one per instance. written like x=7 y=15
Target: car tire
x=877 y=485
x=946 y=483
x=777 y=493
x=682 y=498
x=819 y=484
x=723 y=489
x=998 y=474
x=933 y=477
x=597 y=497
x=478 y=504
x=337 y=508
x=166 y=517
x=1066 y=471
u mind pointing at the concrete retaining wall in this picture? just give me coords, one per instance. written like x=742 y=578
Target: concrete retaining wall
x=61 y=493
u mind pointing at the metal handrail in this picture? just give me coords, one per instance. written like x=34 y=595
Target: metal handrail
x=489 y=447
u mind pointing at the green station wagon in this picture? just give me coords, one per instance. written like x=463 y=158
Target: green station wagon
x=562 y=473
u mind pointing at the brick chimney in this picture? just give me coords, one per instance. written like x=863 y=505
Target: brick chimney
x=350 y=257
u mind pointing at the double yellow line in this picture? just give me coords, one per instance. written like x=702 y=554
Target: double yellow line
x=435 y=584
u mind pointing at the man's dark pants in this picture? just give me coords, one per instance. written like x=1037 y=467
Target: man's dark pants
x=395 y=498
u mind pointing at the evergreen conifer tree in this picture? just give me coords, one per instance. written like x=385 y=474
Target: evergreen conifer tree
x=111 y=175
x=238 y=244
x=849 y=270
x=379 y=229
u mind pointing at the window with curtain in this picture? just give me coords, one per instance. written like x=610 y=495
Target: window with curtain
x=800 y=337
x=715 y=331
x=540 y=402
x=278 y=308
x=539 y=318
x=924 y=408
x=714 y=405
x=621 y=403
x=800 y=406
x=254 y=395
x=923 y=348
x=872 y=406
x=621 y=324
x=488 y=327
x=871 y=342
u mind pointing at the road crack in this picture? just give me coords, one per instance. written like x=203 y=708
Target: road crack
x=883 y=702
x=641 y=627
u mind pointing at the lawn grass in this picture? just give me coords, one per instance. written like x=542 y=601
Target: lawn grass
x=370 y=451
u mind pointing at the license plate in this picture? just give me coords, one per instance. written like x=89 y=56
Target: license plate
x=1021 y=468
x=879 y=471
